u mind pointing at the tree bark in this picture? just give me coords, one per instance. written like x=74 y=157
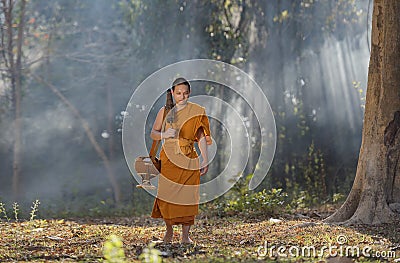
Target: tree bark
x=375 y=192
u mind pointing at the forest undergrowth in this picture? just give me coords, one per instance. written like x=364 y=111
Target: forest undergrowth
x=289 y=238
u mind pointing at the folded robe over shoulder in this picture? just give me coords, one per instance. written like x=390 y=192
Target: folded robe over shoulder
x=178 y=185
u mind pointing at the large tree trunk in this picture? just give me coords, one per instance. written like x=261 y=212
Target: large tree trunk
x=375 y=196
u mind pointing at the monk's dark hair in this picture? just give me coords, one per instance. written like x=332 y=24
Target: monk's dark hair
x=179 y=81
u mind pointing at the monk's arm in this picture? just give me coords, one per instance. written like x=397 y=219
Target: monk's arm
x=156 y=130
x=156 y=133
x=203 y=146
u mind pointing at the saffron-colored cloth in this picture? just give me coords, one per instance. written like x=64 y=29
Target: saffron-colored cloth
x=178 y=184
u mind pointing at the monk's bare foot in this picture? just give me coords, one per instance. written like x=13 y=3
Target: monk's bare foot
x=187 y=241
x=185 y=235
x=169 y=234
x=168 y=237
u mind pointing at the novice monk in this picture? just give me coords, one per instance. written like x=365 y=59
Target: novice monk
x=178 y=186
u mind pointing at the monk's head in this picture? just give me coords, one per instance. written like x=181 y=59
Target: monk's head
x=180 y=91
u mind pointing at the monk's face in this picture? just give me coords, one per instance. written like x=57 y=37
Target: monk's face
x=181 y=94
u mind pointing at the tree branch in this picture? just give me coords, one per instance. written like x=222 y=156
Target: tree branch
x=227 y=16
x=3 y=49
x=89 y=133
x=243 y=19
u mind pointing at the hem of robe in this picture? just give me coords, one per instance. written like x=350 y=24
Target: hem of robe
x=181 y=220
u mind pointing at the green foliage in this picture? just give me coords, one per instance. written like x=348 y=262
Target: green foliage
x=360 y=92
x=16 y=211
x=151 y=254
x=3 y=211
x=240 y=200
x=282 y=16
x=314 y=174
x=269 y=202
x=113 y=251
x=131 y=9
x=338 y=197
x=308 y=186
x=34 y=209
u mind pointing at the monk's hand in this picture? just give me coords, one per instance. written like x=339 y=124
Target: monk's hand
x=204 y=168
x=170 y=133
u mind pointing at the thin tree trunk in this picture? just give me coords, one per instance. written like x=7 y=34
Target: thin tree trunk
x=13 y=63
x=226 y=55
x=376 y=187
x=18 y=87
x=110 y=132
x=92 y=139
x=110 y=122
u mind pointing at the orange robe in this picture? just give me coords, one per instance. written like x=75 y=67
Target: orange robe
x=178 y=184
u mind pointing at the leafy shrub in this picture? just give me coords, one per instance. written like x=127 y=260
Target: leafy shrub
x=151 y=254
x=241 y=200
x=16 y=211
x=113 y=251
x=268 y=202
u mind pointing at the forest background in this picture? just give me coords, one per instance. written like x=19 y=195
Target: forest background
x=80 y=62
